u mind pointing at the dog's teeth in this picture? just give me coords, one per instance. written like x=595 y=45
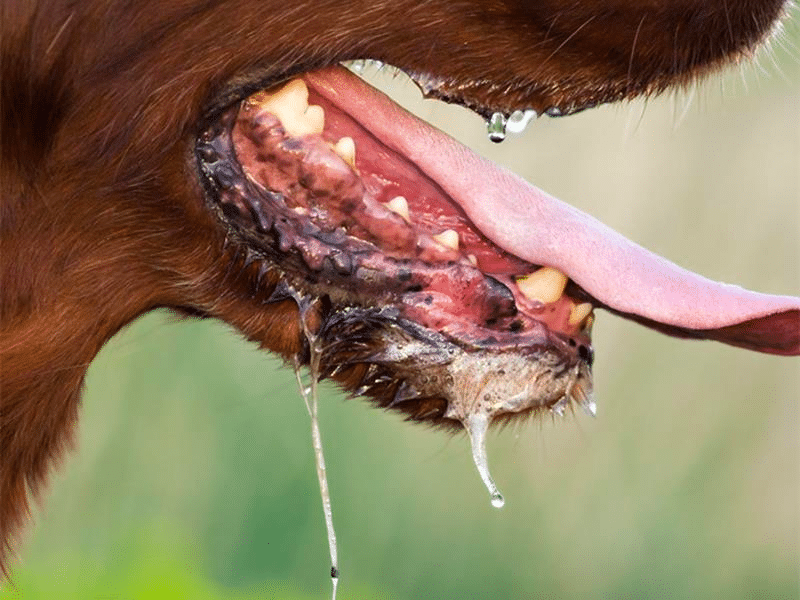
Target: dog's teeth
x=346 y=148
x=473 y=259
x=545 y=285
x=448 y=238
x=314 y=120
x=290 y=105
x=293 y=95
x=579 y=314
x=399 y=205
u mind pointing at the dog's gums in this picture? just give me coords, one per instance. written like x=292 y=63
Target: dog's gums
x=218 y=160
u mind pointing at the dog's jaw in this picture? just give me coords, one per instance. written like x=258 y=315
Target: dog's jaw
x=295 y=181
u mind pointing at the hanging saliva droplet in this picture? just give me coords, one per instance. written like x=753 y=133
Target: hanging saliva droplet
x=497 y=127
x=519 y=119
x=310 y=395
x=559 y=407
x=589 y=406
x=497 y=500
x=477 y=425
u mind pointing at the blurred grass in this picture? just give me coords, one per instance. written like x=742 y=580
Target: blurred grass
x=194 y=475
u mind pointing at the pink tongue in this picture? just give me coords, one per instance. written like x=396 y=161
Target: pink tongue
x=538 y=228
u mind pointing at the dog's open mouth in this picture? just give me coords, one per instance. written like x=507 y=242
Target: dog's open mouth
x=437 y=283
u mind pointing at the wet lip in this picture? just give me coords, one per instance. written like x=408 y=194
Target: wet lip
x=540 y=229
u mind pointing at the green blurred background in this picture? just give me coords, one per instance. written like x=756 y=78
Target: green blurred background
x=193 y=475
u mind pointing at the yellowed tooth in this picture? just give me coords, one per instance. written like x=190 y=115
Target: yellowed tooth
x=290 y=105
x=448 y=238
x=473 y=259
x=399 y=205
x=292 y=95
x=545 y=285
x=579 y=313
x=314 y=119
x=346 y=148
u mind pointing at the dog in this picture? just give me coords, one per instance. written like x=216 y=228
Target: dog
x=215 y=159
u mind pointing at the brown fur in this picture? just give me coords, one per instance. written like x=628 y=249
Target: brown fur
x=101 y=215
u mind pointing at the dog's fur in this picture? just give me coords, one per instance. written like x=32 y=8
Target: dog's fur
x=101 y=213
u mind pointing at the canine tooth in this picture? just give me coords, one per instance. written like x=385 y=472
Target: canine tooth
x=315 y=118
x=293 y=94
x=399 y=205
x=291 y=99
x=346 y=148
x=448 y=238
x=290 y=105
x=579 y=313
x=545 y=285
x=473 y=259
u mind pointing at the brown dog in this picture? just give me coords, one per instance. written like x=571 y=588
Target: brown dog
x=143 y=167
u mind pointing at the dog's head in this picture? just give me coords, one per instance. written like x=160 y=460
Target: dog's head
x=212 y=157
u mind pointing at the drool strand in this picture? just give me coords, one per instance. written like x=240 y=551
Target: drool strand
x=476 y=425
x=310 y=397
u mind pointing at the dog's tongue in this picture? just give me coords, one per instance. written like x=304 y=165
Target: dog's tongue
x=538 y=228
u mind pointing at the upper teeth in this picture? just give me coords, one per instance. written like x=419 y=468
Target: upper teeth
x=399 y=205
x=346 y=148
x=545 y=285
x=579 y=313
x=290 y=105
x=448 y=238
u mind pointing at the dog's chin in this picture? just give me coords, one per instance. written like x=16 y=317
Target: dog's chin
x=427 y=278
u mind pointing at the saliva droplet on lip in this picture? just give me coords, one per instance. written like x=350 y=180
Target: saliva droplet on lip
x=496 y=127
x=477 y=424
x=519 y=119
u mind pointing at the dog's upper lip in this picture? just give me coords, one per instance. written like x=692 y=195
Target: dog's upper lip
x=543 y=230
